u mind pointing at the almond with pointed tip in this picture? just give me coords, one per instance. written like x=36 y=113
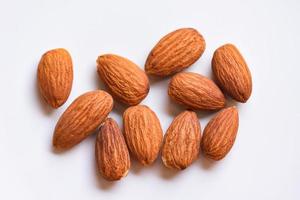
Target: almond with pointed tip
x=175 y=52
x=220 y=133
x=182 y=141
x=124 y=79
x=143 y=133
x=112 y=155
x=232 y=72
x=81 y=118
x=196 y=92
x=55 y=76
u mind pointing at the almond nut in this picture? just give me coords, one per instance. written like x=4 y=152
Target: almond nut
x=55 y=77
x=220 y=133
x=112 y=155
x=143 y=133
x=196 y=92
x=124 y=79
x=81 y=118
x=175 y=52
x=182 y=141
x=232 y=72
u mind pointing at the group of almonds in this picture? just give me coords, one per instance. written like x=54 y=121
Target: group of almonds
x=129 y=84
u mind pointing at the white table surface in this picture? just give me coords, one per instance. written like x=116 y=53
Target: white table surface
x=264 y=162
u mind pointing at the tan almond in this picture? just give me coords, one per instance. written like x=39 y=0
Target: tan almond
x=55 y=77
x=196 y=92
x=143 y=133
x=175 y=52
x=112 y=155
x=220 y=133
x=81 y=118
x=232 y=72
x=124 y=79
x=182 y=141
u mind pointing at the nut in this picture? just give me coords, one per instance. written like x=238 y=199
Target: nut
x=182 y=141
x=81 y=118
x=175 y=52
x=143 y=133
x=232 y=72
x=220 y=133
x=55 y=77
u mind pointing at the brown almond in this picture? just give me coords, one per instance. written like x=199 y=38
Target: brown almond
x=175 y=52
x=124 y=79
x=81 y=118
x=143 y=133
x=182 y=141
x=232 y=72
x=196 y=92
x=112 y=155
x=55 y=77
x=220 y=133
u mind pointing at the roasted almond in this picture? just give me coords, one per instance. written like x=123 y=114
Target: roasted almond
x=112 y=155
x=143 y=133
x=55 y=77
x=81 y=118
x=196 y=92
x=175 y=52
x=232 y=72
x=182 y=141
x=124 y=79
x=220 y=133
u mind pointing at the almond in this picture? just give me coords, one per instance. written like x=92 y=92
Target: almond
x=112 y=155
x=232 y=72
x=81 y=118
x=220 y=133
x=182 y=141
x=125 y=80
x=196 y=92
x=175 y=52
x=143 y=133
x=55 y=77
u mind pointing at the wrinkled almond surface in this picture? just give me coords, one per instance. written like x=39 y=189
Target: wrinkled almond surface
x=124 y=79
x=175 y=52
x=220 y=133
x=232 y=72
x=196 y=92
x=182 y=141
x=143 y=133
x=55 y=76
x=81 y=118
x=112 y=155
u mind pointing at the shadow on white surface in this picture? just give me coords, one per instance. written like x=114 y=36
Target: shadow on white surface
x=157 y=167
x=99 y=85
x=119 y=109
x=154 y=80
x=206 y=163
x=64 y=152
x=166 y=173
x=101 y=182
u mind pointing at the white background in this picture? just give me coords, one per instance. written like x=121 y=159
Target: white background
x=265 y=160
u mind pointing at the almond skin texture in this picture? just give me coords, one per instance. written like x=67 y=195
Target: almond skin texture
x=143 y=133
x=232 y=72
x=196 y=92
x=220 y=133
x=112 y=155
x=175 y=52
x=125 y=80
x=55 y=77
x=81 y=118
x=182 y=141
